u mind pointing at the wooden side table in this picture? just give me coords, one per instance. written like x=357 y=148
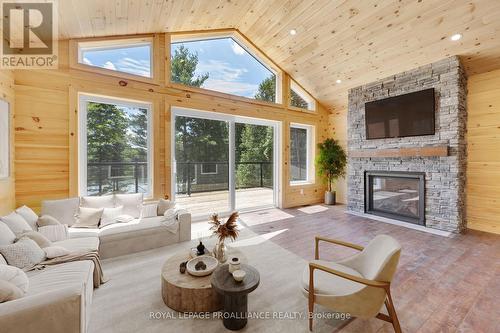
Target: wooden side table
x=235 y=294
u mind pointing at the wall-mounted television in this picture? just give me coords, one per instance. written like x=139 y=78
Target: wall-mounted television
x=400 y=116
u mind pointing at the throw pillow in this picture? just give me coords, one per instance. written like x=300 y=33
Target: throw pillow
x=62 y=210
x=55 y=233
x=9 y=292
x=16 y=222
x=88 y=217
x=55 y=251
x=29 y=216
x=24 y=254
x=15 y=276
x=132 y=203
x=6 y=235
x=124 y=219
x=105 y=201
x=109 y=216
x=2 y=260
x=40 y=239
x=46 y=220
x=164 y=205
x=149 y=210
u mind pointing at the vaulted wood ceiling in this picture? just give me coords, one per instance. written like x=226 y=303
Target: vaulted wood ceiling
x=355 y=41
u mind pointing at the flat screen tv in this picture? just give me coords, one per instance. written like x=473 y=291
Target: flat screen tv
x=405 y=115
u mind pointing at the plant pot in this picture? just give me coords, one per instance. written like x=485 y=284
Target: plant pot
x=330 y=198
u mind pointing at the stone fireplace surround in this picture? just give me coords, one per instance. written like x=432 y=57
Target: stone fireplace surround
x=444 y=175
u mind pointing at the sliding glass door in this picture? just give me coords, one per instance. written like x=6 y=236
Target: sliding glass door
x=222 y=163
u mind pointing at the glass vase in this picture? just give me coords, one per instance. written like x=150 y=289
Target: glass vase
x=220 y=251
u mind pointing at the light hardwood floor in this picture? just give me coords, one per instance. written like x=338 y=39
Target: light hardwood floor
x=442 y=284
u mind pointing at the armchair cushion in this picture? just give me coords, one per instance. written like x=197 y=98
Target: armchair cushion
x=329 y=284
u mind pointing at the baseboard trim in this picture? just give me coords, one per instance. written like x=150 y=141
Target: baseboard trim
x=401 y=224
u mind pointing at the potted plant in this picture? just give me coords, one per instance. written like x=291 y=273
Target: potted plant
x=330 y=163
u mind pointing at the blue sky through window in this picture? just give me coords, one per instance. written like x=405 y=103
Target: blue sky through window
x=133 y=59
x=232 y=69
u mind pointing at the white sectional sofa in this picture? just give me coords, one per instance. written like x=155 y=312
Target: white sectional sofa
x=59 y=297
x=145 y=232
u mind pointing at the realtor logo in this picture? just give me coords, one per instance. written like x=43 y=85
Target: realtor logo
x=29 y=35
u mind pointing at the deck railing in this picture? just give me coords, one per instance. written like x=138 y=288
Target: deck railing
x=192 y=177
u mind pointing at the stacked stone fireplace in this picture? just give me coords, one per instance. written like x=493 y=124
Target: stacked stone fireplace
x=440 y=201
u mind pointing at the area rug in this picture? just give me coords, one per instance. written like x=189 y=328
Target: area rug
x=131 y=300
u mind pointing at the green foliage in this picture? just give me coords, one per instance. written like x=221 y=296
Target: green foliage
x=184 y=65
x=106 y=132
x=297 y=101
x=267 y=90
x=331 y=161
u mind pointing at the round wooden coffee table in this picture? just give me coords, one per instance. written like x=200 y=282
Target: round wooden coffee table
x=187 y=293
x=235 y=294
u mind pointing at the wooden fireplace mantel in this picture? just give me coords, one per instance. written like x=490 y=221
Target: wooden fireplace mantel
x=434 y=151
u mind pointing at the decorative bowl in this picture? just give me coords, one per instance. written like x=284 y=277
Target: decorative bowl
x=239 y=275
x=210 y=262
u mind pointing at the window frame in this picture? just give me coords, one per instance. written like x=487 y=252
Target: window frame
x=77 y=46
x=310 y=144
x=209 y=173
x=83 y=100
x=311 y=102
x=245 y=44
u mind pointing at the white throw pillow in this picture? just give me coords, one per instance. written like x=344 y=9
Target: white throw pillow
x=132 y=203
x=109 y=216
x=6 y=235
x=55 y=251
x=149 y=210
x=24 y=254
x=2 y=260
x=124 y=219
x=29 y=216
x=9 y=292
x=15 y=276
x=46 y=220
x=55 y=233
x=88 y=217
x=16 y=223
x=62 y=210
x=164 y=205
x=105 y=201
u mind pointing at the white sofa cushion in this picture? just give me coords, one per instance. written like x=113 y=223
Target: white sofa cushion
x=54 y=233
x=132 y=203
x=83 y=232
x=15 y=276
x=29 y=216
x=55 y=251
x=79 y=245
x=88 y=217
x=16 y=223
x=24 y=254
x=62 y=210
x=109 y=215
x=9 y=292
x=105 y=201
x=6 y=235
x=46 y=220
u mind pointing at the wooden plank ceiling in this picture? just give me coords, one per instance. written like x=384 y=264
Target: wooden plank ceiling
x=354 y=41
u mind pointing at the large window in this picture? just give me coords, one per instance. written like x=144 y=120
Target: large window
x=301 y=154
x=115 y=146
x=224 y=65
x=131 y=56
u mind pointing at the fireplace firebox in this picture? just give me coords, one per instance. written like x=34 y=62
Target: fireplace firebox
x=397 y=195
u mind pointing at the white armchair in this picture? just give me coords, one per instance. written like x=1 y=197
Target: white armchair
x=359 y=285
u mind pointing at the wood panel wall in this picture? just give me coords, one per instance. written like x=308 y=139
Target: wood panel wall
x=46 y=127
x=483 y=146
x=7 y=193
x=338 y=130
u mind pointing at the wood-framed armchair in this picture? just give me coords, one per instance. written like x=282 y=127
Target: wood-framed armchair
x=359 y=285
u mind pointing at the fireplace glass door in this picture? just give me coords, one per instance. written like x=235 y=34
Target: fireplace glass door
x=396 y=195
